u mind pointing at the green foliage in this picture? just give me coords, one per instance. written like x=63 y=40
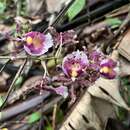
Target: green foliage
x=121 y=113
x=34 y=117
x=48 y=127
x=76 y=7
x=59 y=116
x=2 y=7
x=114 y=22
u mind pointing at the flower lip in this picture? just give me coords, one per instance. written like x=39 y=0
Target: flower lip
x=74 y=64
x=107 y=69
x=37 y=43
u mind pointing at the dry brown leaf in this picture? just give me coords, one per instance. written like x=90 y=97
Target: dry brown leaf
x=83 y=116
x=108 y=90
x=104 y=109
x=124 y=47
x=124 y=67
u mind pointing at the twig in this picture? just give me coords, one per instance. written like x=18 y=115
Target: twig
x=54 y=117
x=24 y=106
x=60 y=15
x=4 y=65
x=120 y=30
x=12 y=84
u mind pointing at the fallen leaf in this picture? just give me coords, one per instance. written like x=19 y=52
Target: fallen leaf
x=124 y=67
x=124 y=47
x=103 y=109
x=108 y=90
x=83 y=117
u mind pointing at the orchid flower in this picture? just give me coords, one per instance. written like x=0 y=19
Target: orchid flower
x=74 y=64
x=37 y=43
x=107 y=69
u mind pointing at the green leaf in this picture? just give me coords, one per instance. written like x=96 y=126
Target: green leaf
x=48 y=128
x=75 y=8
x=114 y=22
x=59 y=116
x=34 y=117
x=2 y=7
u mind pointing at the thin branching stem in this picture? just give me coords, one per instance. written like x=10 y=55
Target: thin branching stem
x=12 y=84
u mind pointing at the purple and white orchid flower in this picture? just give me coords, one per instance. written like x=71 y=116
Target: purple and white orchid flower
x=74 y=64
x=107 y=69
x=37 y=43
